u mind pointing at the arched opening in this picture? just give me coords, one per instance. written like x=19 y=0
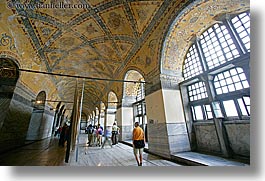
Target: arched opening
x=37 y=125
x=216 y=86
x=133 y=103
x=112 y=108
x=96 y=118
x=39 y=103
x=54 y=128
x=9 y=75
x=83 y=122
x=211 y=65
x=102 y=114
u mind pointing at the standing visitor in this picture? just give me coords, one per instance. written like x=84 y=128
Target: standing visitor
x=138 y=143
x=107 y=136
x=115 y=130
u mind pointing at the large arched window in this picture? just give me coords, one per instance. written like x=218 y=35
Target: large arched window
x=216 y=71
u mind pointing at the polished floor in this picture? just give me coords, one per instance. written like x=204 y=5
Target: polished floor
x=48 y=153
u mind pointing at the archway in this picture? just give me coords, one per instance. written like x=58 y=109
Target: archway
x=196 y=50
x=9 y=75
x=133 y=105
x=36 y=125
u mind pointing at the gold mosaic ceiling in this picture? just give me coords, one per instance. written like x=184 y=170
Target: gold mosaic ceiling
x=91 y=38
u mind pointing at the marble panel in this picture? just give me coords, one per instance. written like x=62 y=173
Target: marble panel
x=206 y=138
x=176 y=129
x=239 y=138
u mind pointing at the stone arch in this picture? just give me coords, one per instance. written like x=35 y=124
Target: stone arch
x=130 y=88
x=9 y=75
x=55 y=117
x=40 y=101
x=125 y=113
x=38 y=127
x=186 y=27
x=111 y=109
x=112 y=100
x=189 y=24
x=102 y=114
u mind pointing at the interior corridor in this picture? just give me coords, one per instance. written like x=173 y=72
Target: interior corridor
x=47 y=153
x=178 y=69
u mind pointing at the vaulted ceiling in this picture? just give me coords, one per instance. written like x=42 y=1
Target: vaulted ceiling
x=89 y=38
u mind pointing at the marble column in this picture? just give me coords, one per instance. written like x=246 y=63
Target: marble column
x=124 y=118
x=167 y=130
x=110 y=116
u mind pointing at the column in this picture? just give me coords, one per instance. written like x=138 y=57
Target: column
x=167 y=130
x=124 y=117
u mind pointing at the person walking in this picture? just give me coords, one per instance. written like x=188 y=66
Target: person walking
x=107 y=137
x=90 y=131
x=99 y=135
x=138 y=143
x=63 y=135
x=94 y=135
x=115 y=130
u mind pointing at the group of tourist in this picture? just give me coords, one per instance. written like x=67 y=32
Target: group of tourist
x=95 y=134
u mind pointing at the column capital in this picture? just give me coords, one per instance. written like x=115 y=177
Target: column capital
x=162 y=81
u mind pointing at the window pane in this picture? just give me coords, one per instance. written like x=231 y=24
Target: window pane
x=198 y=112
x=217 y=110
x=242 y=107
x=242 y=26
x=197 y=91
x=231 y=80
x=230 y=108
x=208 y=112
x=217 y=38
x=192 y=65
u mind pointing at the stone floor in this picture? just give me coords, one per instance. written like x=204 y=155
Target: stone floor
x=48 y=153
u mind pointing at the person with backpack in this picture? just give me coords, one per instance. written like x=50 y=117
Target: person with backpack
x=90 y=131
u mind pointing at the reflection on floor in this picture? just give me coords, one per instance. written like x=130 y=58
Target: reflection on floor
x=48 y=153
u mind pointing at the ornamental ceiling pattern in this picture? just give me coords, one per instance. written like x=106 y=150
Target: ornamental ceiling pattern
x=191 y=23
x=99 y=38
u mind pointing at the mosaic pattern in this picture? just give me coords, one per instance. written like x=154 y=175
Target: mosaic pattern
x=190 y=23
x=102 y=39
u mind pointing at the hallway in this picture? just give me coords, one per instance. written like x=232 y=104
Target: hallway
x=180 y=69
x=47 y=153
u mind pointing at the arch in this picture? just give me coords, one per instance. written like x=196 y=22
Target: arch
x=133 y=104
x=130 y=88
x=189 y=24
x=9 y=75
x=55 y=117
x=216 y=92
x=9 y=71
x=84 y=121
x=102 y=106
x=40 y=100
x=112 y=100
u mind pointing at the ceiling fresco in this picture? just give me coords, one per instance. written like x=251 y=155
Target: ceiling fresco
x=99 y=39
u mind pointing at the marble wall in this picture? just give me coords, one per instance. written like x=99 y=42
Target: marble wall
x=15 y=121
x=158 y=139
x=40 y=126
x=206 y=137
x=238 y=133
x=15 y=126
